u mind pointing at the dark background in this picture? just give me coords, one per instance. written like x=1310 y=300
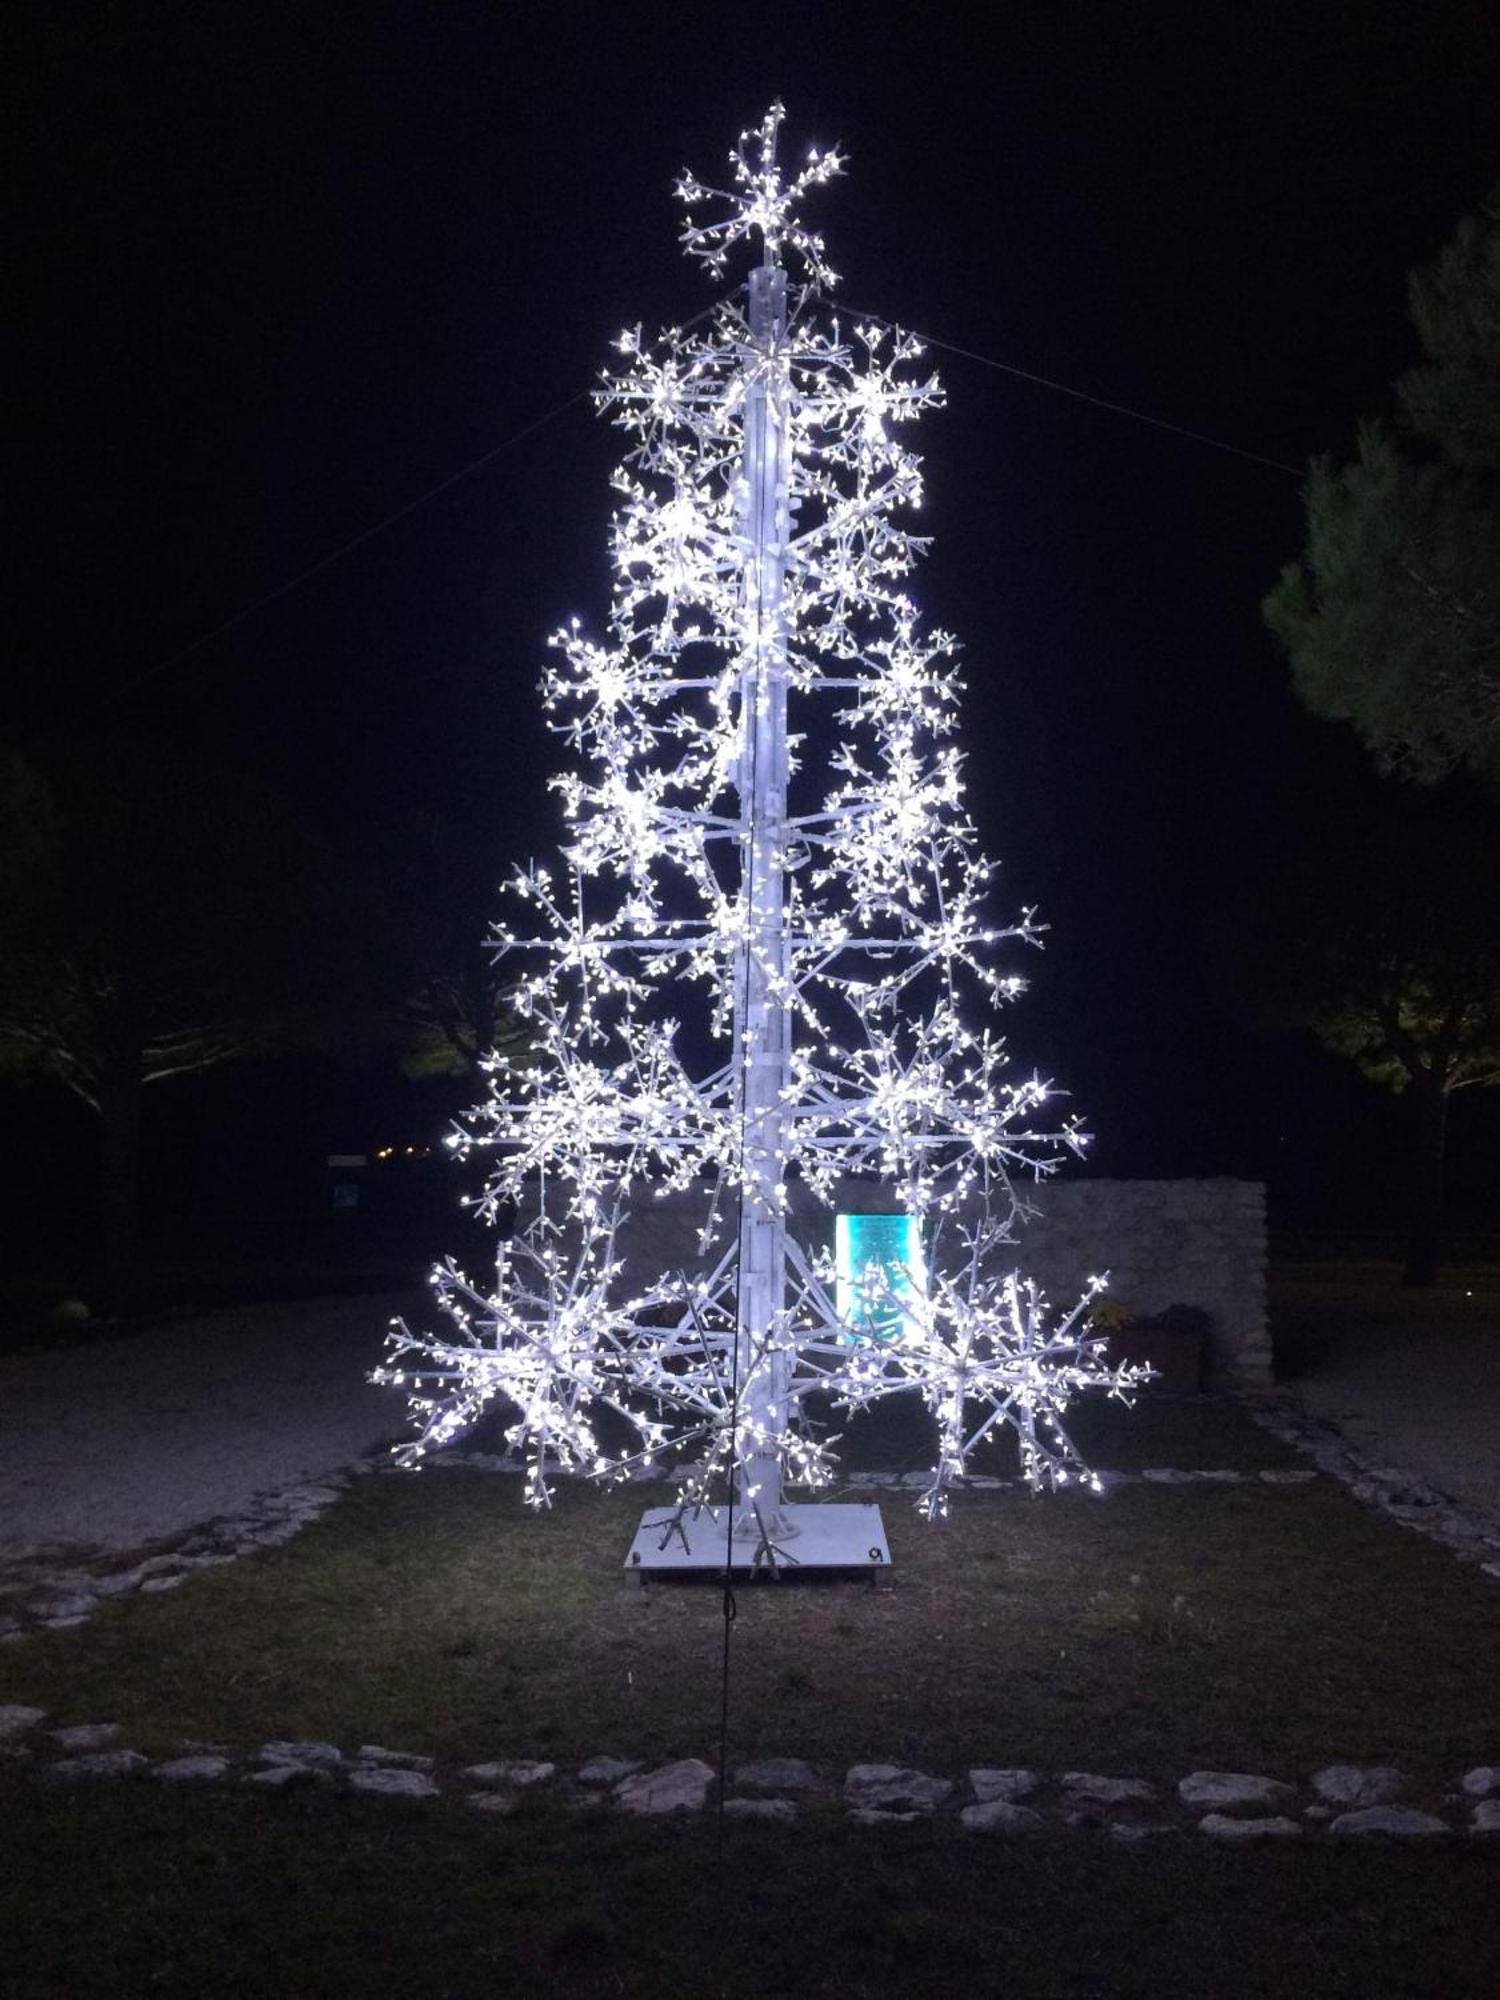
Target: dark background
x=282 y=269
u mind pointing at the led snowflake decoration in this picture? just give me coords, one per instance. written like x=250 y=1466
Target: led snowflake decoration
x=763 y=206
x=767 y=855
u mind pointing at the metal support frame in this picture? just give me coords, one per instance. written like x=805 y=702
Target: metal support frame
x=839 y=951
x=763 y=1028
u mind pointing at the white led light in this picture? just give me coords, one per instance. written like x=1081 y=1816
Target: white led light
x=765 y=832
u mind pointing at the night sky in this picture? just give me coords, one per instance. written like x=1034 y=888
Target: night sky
x=283 y=269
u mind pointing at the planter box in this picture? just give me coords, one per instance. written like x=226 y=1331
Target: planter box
x=1175 y=1352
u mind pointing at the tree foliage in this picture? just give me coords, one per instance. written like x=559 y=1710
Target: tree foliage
x=1386 y=948
x=159 y=916
x=434 y=885
x=159 y=910
x=1391 y=618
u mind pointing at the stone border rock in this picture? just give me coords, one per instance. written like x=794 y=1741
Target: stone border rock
x=43 y=1597
x=1229 y=1806
x=47 y=1598
x=1471 y=1532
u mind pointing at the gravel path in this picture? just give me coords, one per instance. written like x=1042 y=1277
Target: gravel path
x=1411 y=1381
x=111 y=1446
x=116 y=1445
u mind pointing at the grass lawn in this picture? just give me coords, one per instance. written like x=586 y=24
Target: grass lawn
x=1154 y=1430
x=1243 y=1627
x=128 y=1891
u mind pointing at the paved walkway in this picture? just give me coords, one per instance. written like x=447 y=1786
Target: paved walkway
x=1411 y=1379
x=124 y=1442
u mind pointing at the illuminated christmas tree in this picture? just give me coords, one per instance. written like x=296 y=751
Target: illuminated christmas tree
x=761 y=974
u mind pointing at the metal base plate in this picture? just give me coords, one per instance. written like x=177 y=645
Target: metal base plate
x=836 y=1536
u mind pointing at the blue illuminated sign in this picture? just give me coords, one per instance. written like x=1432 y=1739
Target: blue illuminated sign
x=878 y=1264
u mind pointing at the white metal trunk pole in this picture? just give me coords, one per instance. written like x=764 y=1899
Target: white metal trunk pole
x=764 y=1025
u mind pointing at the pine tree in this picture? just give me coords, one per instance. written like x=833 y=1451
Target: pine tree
x=767 y=856
x=1391 y=619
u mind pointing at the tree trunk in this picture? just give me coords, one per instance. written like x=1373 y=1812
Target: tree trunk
x=1430 y=1091
x=120 y=1112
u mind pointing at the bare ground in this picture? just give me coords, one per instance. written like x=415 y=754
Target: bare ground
x=122 y=1443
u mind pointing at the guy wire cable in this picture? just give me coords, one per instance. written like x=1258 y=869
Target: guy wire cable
x=1079 y=395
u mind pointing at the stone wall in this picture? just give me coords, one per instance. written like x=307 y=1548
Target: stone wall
x=1164 y=1243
